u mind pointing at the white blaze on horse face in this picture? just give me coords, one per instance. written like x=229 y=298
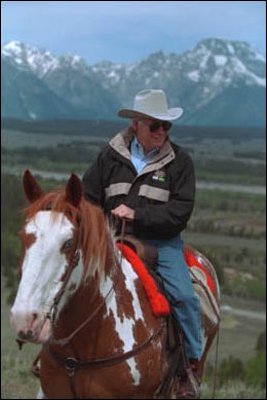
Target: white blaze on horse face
x=43 y=266
x=125 y=326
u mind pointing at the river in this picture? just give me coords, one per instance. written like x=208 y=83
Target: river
x=229 y=187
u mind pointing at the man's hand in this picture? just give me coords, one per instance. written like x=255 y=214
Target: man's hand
x=123 y=212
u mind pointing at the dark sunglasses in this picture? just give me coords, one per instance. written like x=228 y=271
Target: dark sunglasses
x=157 y=124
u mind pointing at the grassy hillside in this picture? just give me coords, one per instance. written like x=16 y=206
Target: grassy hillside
x=227 y=226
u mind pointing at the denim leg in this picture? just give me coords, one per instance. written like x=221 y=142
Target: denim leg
x=179 y=289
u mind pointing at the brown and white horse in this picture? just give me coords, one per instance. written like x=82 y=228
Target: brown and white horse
x=82 y=300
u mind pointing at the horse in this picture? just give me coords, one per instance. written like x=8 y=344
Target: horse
x=81 y=299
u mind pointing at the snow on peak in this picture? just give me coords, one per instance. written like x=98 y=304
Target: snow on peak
x=220 y=60
x=213 y=61
x=38 y=60
x=230 y=48
x=13 y=47
x=194 y=75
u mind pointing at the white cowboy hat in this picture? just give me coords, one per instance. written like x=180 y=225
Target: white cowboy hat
x=151 y=103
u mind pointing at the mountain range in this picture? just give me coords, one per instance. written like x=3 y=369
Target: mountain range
x=219 y=82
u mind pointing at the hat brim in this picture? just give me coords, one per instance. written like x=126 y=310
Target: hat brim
x=171 y=115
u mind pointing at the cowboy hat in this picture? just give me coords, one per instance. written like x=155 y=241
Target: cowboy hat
x=151 y=103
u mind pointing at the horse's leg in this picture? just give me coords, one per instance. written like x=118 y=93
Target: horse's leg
x=40 y=394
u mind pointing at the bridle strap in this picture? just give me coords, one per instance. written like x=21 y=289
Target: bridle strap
x=72 y=264
x=72 y=364
x=64 y=341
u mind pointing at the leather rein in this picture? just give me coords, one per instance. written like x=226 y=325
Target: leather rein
x=72 y=364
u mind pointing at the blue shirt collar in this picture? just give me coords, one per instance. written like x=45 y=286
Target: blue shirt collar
x=138 y=149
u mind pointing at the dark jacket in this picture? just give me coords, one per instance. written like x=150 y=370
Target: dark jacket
x=162 y=194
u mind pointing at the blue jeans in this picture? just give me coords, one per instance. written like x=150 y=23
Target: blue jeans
x=179 y=289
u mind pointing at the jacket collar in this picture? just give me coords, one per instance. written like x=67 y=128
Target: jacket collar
x=121 y=144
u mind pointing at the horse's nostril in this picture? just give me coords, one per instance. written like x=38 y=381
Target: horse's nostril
x=34 y=316
x=29 y=334
x=25 y=336
x=22 y=335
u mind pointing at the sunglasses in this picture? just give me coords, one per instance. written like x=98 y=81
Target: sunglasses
x=154 y=126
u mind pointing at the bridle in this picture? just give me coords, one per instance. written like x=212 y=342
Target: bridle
x=72 y=264
x=74 y=261
x=65 y=341
x=72 y=364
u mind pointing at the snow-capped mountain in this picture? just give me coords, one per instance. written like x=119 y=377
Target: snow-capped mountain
x=35 y=59
x=219 y=82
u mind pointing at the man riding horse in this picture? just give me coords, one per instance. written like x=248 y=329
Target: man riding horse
x=148 y=181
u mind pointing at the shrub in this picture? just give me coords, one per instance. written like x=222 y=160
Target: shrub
x=231 y=369
x=255 y=371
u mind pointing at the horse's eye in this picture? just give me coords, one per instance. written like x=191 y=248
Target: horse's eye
x=67 y=245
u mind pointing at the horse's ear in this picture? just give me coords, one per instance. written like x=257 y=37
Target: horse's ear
x=74 y=190
x=31 y=188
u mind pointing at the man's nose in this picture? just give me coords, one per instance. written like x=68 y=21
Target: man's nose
x=161 y=130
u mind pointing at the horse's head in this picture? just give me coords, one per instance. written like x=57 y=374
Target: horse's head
x=51 y=266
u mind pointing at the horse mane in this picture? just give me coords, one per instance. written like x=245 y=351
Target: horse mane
x=87 y=217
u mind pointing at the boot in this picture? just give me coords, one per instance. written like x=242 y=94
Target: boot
x=189 y=387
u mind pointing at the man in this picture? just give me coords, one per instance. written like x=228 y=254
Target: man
x=149 y=181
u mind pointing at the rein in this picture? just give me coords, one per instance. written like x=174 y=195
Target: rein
x=72 y=364
x=64 y=341
x=73 y=263
x=70 y=267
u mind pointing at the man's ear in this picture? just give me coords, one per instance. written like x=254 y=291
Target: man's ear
x=134 y=125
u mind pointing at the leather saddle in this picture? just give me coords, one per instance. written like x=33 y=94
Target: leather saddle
x=147 y=252
x=149 y=256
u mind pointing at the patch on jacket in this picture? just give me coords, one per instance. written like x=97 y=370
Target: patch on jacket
x=159 y=176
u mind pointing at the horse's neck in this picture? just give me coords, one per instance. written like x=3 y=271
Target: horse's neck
x=118 y=310
x=87 y=307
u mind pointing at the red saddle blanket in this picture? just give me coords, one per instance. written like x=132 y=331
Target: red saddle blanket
x=159 y=303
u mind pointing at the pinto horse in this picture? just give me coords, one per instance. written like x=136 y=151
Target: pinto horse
x=81 y=299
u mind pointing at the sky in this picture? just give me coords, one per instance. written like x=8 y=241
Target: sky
x=129 y=31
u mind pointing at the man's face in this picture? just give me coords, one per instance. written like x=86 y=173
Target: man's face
x=151 y=133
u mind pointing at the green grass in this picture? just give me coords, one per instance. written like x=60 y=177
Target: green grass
x=233 y=390
x=17 y=382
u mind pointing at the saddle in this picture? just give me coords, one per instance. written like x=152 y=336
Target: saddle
x=175 y=346
x=179 y=369
x=145 y=251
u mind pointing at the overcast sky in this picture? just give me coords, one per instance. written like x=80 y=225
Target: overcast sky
x=128 y=31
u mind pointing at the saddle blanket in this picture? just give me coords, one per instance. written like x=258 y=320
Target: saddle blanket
x=203 y=282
